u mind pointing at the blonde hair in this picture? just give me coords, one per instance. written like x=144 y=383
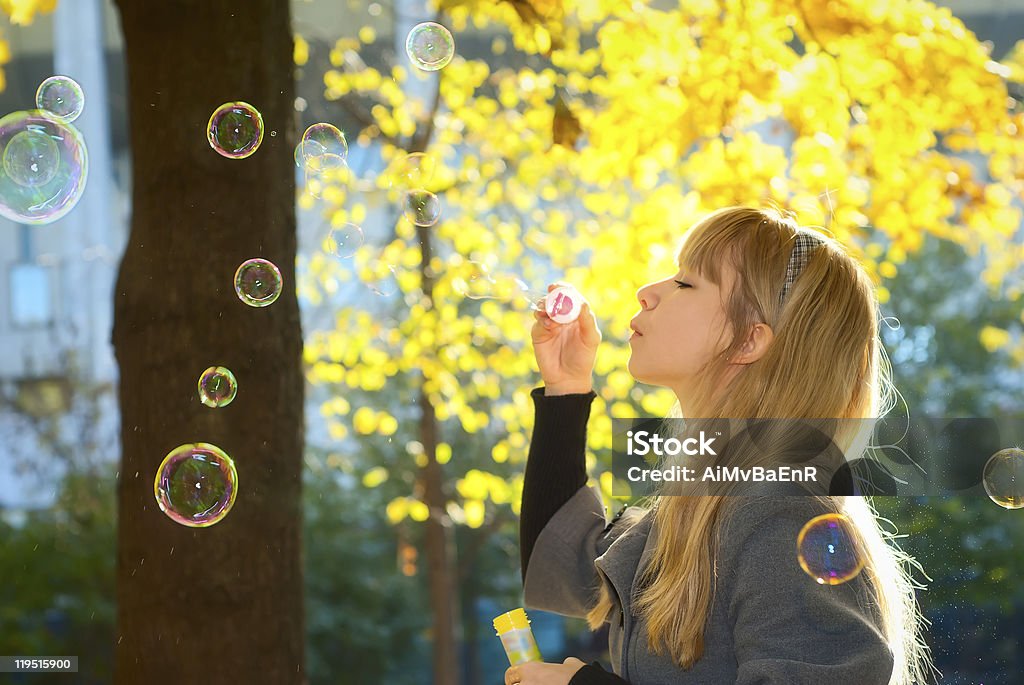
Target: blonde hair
x=825 y=337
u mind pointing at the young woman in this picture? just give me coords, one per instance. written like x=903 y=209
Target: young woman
x=763 y=319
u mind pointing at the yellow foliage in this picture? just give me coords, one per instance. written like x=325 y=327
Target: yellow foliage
x=301 y=51
x=418 y=511
x=22 y=12
x=365 y=421
x=993 y=338
x=375 y=477
x=680 y=109
x=475 y=511
x=397 y=509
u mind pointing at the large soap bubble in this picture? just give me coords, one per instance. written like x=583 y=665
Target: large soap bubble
x=44 y=167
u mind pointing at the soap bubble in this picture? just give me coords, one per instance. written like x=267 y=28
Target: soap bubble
x=422 y=207
x=44 y=167
x=306 y=150
x=31 y=158
x=415 y=170
x=61 y=97
x=235 y=130
x=217 y=387
x=1003 y=478
x=196 y=485
x=258 y=282
x=476 y=282
x=321 y=171
x=382 y=280
x=327 y=139
x=344 y=240
x=826 y=549
x=430 y=46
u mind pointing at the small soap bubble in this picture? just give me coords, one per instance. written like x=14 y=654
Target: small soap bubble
x=430 y=46
x=258 y=282
x=383 y=281
x=235 y=130
x=477 y=282
x=329 y=138
x=31 y=158
x=343 y=241
x=1003 y=478
x=306 y=150
x=422 y=207
x=827 y=551
x=322 y=171
x=196 y=484
x=60 y=97
x=415 y=170
x=44 y=167
x=217 y=387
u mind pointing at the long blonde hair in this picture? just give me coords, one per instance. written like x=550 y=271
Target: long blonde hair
x=826 y=338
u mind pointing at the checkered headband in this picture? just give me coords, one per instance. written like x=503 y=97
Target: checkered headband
x=805 y=243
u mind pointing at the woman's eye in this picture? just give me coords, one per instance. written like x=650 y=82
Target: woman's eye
x=681 y=284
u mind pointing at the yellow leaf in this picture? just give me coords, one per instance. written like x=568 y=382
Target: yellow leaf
x=418 y=511
x=473 y=485
x=388 y=424
x=301 y=52
x=397 y=509
x=375 y=476
x=364 y=421
x=443 y=453
x=993 y=338
x=475 y=511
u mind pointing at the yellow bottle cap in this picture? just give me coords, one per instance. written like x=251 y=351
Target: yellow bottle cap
x=511 y=621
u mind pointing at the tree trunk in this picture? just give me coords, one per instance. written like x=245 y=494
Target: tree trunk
x=223 y=603
x=439 y=535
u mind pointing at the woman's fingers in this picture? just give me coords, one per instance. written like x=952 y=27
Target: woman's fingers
x=588 y=326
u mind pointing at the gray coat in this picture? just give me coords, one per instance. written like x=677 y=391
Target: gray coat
x=770 y=623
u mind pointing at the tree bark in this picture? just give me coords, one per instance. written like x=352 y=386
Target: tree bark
x=223 y=603
x=439 y=535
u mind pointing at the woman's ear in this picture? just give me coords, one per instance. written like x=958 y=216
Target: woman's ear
x=754 y=347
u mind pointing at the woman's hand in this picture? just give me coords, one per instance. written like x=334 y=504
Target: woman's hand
x=540 y=673
x=565 y=352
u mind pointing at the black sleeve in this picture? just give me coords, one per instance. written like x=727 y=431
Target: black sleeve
x=594 y=674
x=556 y=465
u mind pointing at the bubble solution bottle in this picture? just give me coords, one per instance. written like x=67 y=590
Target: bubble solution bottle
x=516 y=637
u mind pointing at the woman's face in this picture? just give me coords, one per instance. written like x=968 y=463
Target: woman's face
x=678 y=328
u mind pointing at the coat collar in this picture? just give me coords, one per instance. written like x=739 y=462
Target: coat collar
x=627 y=555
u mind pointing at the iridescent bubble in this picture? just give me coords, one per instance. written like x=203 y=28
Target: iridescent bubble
x=196 y=484
x=422 y=207
x=476 y=282
x=258 y=282
x=415 y=170
x=217 y=387
x=44 y=169
x=61 y=97
x=343 y=241
x=31 y=158
x=235 y=130
x=322 y=171
x=306 y=150
x=430 y=46
x=1003 y=478
x=383 y=280
x=328 y=137
x=827 y=551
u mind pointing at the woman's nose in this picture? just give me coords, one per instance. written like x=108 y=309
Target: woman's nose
x=646 y=297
